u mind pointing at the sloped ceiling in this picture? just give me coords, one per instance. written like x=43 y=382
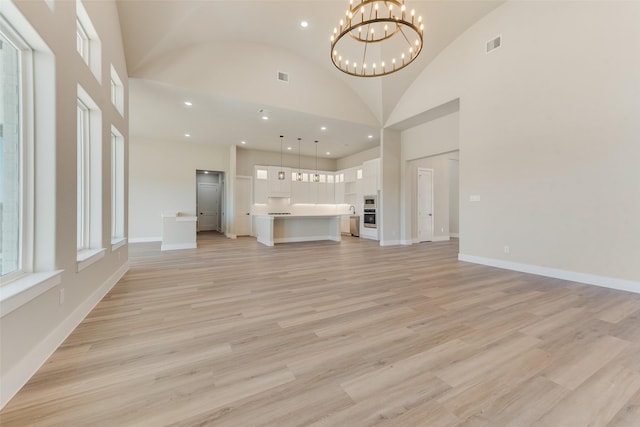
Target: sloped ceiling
x=227 y=55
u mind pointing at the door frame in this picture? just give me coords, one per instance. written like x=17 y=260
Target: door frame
x=221 y=198
x=417 y=211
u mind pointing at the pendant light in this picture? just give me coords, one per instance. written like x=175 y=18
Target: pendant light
x=299 y=178
x=281 y=172
x=316 y=177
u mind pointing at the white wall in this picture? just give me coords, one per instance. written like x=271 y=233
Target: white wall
x=33 y=331
x=251 y=77
x=162 y=178
x=358 y=159
x=548 y=136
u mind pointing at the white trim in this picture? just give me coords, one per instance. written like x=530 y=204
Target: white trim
x=455 y=235
x=177 y=246
x=390 y=242
x=118 y=243
x=440 y=238
x=406 y=242
x=144 y=239
x=305 y=239
x=89 y=256
x=20 y=291
x=18 y=376
x=231 y=236
x=573 y=276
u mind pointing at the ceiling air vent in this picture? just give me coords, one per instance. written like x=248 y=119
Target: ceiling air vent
x=283 y=77
x=494 y=43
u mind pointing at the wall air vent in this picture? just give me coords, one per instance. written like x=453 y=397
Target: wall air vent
x=494 y=43
x=283 y=77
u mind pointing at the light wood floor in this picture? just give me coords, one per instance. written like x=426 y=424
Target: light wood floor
x=340 y=334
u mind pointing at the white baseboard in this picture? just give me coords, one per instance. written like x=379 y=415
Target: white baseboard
x=406 y=242
x=230 y=236
x=305 y=239
x=390 y=242
x=456 y=235
x=440 y=238
x=178 y=246
x=144 y=239
x=18 y=376
x=589 y=279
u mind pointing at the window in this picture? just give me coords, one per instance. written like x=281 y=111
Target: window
x=87 y=41
x=88 y=181
x=82 y=42
x=11 y=170
x=27 y=235
x=117 y=187
x=117 y=91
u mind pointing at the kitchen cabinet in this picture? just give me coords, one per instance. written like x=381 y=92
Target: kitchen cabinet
x=370 y=174
x=279 y=187
x=260 y=184
x=305 y=191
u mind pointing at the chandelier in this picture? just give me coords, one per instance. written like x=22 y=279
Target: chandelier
x=376 y=38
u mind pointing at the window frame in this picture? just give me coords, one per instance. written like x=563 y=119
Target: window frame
x=118 y=234
x=25 y=150
x=82 y=42
x=89 y=218
x=37 y=273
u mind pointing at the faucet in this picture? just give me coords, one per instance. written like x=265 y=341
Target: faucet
x=352 y=209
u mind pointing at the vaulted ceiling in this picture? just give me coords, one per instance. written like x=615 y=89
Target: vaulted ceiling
x=224 y=57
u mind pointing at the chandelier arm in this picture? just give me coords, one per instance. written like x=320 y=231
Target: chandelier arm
x=405 y=37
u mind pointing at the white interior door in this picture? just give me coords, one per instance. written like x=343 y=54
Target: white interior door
x=425 y=205
x=208 y=206
x=243 y=206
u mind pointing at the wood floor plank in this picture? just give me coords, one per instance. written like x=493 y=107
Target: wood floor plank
x=348 y=333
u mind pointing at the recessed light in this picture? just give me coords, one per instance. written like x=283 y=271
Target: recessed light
x=323 y=128
x=304 y=24
x=265 y=117
x=187 y=135
x=188 y=103
x=243 y=142
x=370 y=136
x=288 y=148
x=206 y=172
x=328 y=153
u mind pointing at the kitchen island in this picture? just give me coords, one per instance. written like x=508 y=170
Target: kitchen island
x=280 y=228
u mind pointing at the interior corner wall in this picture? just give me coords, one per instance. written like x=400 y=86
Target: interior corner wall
x=548 y=137
x=162 y=179
x=358 y=159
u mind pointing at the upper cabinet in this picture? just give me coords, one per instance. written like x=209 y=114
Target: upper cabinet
x=370 y=177
x=266 y=183
x=345 y=186
x=279 y=187
x=260 y=184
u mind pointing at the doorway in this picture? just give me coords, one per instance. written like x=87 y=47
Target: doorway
x=209 y=200
x=425 y=205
